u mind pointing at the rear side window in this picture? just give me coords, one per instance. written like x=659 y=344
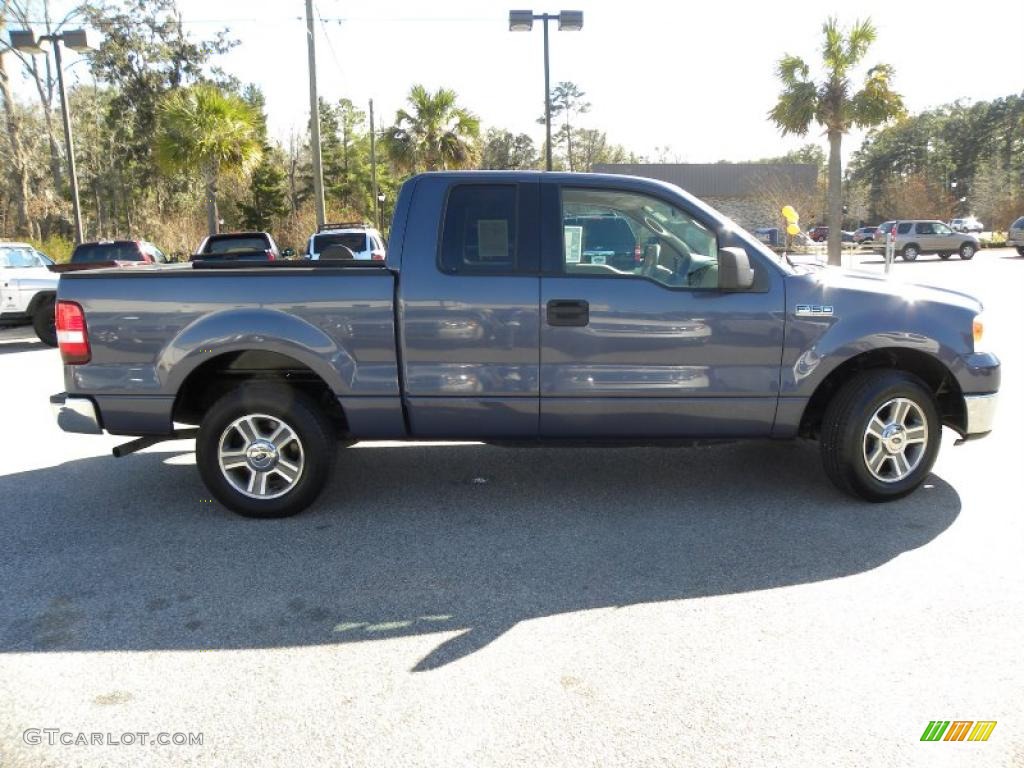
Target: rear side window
x=925 y=228
x=904 y=227
x=479 y=235
x=1018 y=224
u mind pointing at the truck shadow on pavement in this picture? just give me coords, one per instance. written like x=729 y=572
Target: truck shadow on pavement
x=130 y=554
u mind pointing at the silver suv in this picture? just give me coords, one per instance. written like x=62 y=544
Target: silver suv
x=926 y=236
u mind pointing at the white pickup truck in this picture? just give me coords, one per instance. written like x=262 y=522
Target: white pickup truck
x=28 y=289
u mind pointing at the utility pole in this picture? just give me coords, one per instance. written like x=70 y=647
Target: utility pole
x=314 y=119
x=373 y=165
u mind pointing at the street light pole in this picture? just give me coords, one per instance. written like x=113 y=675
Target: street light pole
x=77 y=40
x=568 y=21
x=69 y=142
x=314 y=119
x=547 y=96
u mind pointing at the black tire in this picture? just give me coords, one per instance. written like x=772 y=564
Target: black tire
x=1020 y=251
x=910 y=252
x=967 y=251
x=945 y=256
x=314 y=435
x=844 y=426
x=44 y=321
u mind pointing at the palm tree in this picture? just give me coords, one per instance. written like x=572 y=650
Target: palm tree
x=200 y=127
x=434 y=133
x=832 y=105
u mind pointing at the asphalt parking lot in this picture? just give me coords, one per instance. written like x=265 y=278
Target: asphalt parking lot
x=471 y=605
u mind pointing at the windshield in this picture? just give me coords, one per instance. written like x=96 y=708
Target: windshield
x=236 y=244
x=126 y=251
x=20 y=257
x=354 y=241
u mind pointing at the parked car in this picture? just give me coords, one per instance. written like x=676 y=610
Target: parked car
x=485 y=323
x=28 y=289
x=848 y=237
x=819 y=234
x=1015 y=236
x=970 y=224
x=864 y=235
x=238 y=246
x=117 y=252
x=913 y=238
x=607 y=238
x=365 y=242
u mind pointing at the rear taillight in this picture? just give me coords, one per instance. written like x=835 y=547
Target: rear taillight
x=638 y=255
x=377 y=255
x=72 y=336
x=271 y=256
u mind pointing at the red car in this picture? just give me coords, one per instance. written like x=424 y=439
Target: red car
x=819 y=234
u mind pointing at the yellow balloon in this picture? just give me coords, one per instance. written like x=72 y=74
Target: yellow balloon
x=793 y=229
x=790 y=214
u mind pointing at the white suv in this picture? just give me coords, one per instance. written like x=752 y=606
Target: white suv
x=28 y=289
x=365 y=242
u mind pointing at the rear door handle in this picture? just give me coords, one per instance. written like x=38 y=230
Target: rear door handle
x=568 y=312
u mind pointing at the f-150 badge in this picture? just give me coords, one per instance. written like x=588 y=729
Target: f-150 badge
x=814 y=310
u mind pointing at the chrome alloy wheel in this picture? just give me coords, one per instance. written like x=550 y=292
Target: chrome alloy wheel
x=260 y=456
x=895 y=440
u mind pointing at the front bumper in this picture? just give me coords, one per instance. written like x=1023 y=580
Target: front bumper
x=75 y=414
x=981 y=413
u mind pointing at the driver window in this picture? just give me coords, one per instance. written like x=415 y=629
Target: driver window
x=611 y=233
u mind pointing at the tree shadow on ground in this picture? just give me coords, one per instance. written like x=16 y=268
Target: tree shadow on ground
x=130 y=554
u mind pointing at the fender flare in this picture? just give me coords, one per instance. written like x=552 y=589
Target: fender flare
x=240 y=330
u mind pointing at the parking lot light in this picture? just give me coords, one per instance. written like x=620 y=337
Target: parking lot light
x=568 y=21
x=77 y=40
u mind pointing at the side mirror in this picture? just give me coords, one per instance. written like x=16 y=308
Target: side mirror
x=288 y=252
x=734 y=272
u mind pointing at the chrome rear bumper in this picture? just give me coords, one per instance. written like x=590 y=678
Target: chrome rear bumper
x=75 y=414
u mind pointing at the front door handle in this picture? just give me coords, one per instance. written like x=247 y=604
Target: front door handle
x=568 y=312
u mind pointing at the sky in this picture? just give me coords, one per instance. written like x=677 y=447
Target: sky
x=694 y=77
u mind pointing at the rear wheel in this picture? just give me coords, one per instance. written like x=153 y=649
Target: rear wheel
x=44 y=322
x=910 y=253
x=967 y=251
x=880 y=435
x=265 y=451
x=1020 y=251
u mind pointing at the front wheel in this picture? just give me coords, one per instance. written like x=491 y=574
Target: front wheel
x=265 y=451
x=1020 y=251
x=44 y=322
x=967 y=251
x=880 y=435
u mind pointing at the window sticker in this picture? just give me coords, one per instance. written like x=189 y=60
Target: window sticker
x=573 y=244
x=492 y=239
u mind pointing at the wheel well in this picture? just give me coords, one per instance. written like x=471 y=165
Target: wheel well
x=219 y=375
x=936 y=376
x=38 y=299
x=909 y=245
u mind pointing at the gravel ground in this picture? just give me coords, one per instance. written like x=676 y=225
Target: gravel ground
x=468 y=605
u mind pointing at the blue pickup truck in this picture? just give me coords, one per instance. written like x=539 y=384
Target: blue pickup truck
x=521 y=308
